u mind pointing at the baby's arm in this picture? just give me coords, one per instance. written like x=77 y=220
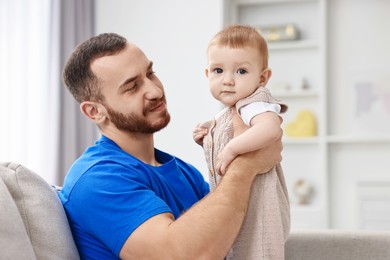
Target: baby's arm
x=264 y=130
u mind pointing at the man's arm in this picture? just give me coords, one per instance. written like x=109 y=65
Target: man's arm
x=264 y=130
x=208 y=229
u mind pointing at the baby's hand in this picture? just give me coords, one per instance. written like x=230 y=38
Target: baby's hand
x=198 y=134
x=224 y=158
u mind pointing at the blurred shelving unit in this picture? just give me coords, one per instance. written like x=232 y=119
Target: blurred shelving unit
x=299 y=78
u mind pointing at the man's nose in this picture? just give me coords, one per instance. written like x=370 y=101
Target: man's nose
x=153 y=90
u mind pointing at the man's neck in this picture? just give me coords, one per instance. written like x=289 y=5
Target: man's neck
x=139 y=145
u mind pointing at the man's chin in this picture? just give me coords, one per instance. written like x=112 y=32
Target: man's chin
x=157 y=125
x=134 y=124
x=163 y=123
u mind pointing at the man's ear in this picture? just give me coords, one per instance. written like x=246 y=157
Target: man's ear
x=265 y=76
x=206 y=72
x=94 y=111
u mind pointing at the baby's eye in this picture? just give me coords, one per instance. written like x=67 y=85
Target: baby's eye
x=241 y=71
x=218 y=70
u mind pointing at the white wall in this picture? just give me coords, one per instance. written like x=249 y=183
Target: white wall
x=174 y=34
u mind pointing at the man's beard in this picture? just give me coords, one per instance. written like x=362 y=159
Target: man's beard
x=133 y=123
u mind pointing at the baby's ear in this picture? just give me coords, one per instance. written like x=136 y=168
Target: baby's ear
x=265 y=76
x=206 y=72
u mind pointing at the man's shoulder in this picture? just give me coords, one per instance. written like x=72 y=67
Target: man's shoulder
x=97 y=162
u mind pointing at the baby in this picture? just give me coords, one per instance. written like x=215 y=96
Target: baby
x=238 y=72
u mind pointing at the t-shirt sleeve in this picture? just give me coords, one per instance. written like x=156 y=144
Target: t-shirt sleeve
x=251 y=110
x=198 y=179
x=112 y=210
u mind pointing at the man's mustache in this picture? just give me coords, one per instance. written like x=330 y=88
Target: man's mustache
x=154 y=103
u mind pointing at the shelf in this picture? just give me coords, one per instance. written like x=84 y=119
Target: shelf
x=295 y=93
x=334 y=139
x=339 y=139
x=264 y=2
x=305 y=208
x=300 y=140
x=292 y=45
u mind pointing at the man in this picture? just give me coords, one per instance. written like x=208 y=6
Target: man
x=123 y=197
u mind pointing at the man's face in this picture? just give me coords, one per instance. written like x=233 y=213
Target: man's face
x=134 y=96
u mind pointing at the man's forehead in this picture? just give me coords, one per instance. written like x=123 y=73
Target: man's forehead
x=131 y=54
x=114 y=69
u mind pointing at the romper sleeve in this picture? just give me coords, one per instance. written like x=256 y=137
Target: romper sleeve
x=259 y=102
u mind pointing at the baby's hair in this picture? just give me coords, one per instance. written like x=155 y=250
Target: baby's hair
x=240 y=36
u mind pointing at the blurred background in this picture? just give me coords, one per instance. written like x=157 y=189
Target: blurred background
x=330 y=61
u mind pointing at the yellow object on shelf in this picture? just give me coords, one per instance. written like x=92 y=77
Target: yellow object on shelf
x=303 y=126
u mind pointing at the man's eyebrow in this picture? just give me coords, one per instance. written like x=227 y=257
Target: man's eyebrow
x=129 y=80
x=150 y=65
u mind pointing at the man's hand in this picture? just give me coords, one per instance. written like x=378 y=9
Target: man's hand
x=260 y=161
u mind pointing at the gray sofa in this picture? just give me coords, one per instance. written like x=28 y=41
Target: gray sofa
x=331 y=244
x=33 y=225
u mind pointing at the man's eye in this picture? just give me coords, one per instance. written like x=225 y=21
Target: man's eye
x=218 y=70
x=132 y=88
x=241 y=71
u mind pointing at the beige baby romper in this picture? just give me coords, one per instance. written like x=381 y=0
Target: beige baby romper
x=267 y=223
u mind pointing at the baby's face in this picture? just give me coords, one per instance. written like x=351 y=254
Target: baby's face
x=233 y=73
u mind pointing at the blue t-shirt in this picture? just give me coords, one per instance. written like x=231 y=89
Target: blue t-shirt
x=108 y=193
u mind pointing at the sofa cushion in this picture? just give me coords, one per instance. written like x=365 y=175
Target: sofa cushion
x=330 y=244
x=39 y=211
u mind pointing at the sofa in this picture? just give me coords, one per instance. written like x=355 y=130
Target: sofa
x=33 y=225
